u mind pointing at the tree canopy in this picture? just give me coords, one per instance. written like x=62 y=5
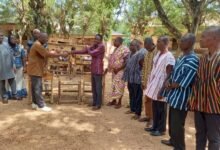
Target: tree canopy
x=134 y=17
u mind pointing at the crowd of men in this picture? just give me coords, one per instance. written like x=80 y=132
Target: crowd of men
x=151 y=72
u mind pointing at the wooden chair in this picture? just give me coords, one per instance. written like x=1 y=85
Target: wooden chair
x=72 y=86
x=68 y=83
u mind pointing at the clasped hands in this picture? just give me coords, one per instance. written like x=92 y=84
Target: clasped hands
x=66 y=53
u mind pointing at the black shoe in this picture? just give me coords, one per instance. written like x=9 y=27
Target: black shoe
x=157 y=133
x=90 y=105
x=166 y=142
x=96 y=108
x=16 y=98
x=149 y=129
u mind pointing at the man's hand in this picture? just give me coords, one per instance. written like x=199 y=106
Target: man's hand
x=65 y=54
x=174 y=85
x=143 y=86
x=24 y=70
x=167 y=85
x=159 y=96
x=116 y=70
x=14 y=69
x=87 y=46
x=106 y=71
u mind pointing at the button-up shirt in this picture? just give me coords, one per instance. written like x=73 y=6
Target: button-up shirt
x=97 y=52
x=184 y=74
x=132 y=73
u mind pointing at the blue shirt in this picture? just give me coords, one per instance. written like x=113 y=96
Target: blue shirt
x=132 y=72
x=184 y=74
x=19 y=54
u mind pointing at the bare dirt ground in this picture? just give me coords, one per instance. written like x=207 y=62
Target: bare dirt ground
x=76 y=127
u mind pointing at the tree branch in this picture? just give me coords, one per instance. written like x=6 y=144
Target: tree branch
x=165 y=20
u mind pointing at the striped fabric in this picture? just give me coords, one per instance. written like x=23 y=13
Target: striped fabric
x=132 y=72
x=184 y=74
x=158 y=74
x=206 y=91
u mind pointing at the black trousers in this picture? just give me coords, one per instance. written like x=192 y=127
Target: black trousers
x=97 y=90
x=135 y=97
x=177 y=120
x=36 y=91
x=159 y=115
x=207 y=127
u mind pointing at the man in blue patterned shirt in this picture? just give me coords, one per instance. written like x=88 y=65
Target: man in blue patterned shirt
x=178 y=90
x=132 y=75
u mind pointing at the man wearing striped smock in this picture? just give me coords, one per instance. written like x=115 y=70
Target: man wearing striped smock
x=205 y=100
x=178 y=89
x=132 y=75
x=163 y=64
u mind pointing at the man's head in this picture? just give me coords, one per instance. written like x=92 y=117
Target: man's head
x=210 y=37
x=187 y=42
x=1 y=37
x=134 y=45
x=118 y=41
x=98 y=39
x=148 y=43
x=36 y=33
x=43 y=38
x=163 y=43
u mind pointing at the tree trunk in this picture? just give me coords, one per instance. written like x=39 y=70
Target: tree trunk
x=165 y=20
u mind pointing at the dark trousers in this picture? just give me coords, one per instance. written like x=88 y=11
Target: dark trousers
x=159 y=115
x=12 y=84
x=36 y=91
x=176 y=128
x=135 y=96
x=97 y=90
x=207 y=127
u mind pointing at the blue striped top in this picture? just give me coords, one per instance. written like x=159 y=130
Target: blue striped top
x=184 y=74
x=132 y=72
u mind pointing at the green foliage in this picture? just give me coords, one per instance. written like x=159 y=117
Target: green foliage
x=83 y=17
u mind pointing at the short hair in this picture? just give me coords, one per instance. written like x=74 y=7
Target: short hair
x=36 y=30
x=43 y=34
x=119 y=39
x=214 y=30
x=148 y=40
x=100 y=36
x=165 y=39
x=189 y=36
x=136 y=43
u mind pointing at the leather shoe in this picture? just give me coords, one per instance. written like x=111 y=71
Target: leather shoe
x=157 y=133
x=96 y=108
x=144 y=119
x=166 y=142
x=149 y=129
